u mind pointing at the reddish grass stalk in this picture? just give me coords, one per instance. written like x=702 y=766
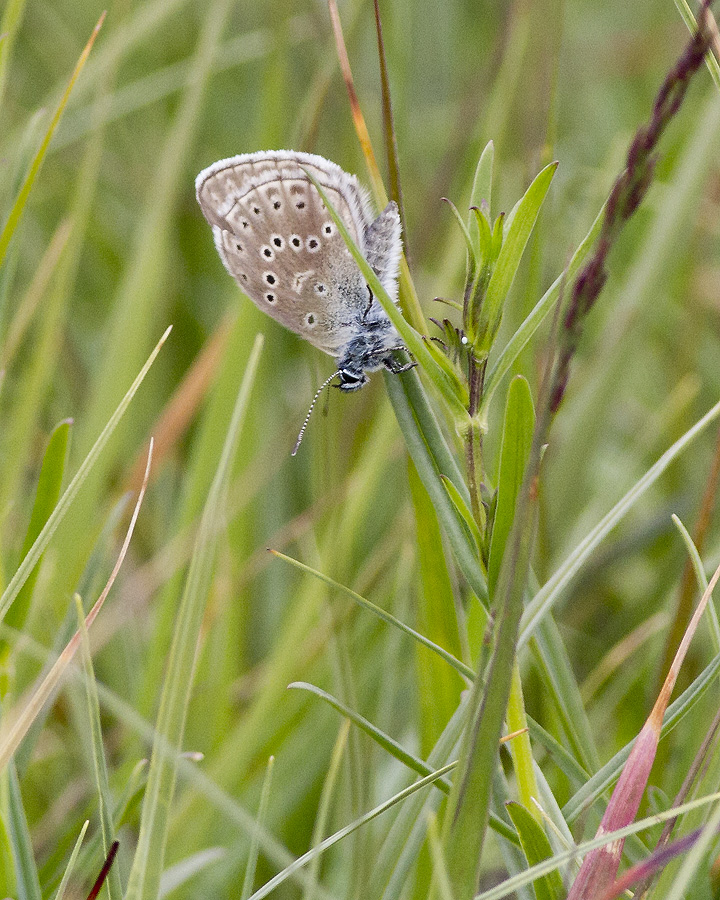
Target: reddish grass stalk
x=600 y=867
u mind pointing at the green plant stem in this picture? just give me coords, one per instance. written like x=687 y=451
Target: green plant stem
x=473 y=441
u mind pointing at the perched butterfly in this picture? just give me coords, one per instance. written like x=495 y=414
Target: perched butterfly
x=279 y=242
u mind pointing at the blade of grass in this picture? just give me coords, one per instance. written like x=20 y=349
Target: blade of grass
x=46 y=498
x=535 y=317
x=349 y=829
x=604 y=778
x=102 y=784
x=391 y=147
x=702 y=581
x=21 y=199
x=431 y=458
x=460 y=667
x=147 y=865
x=71 y=863
x=551 y=590
x=388 y=744
x=510 y=885
x=328 y=791
x=251 y=866
x=33 y=555
x=16 y=724
x=26 y=874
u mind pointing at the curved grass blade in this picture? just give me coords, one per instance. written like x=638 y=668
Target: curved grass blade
x=71 y=863
x=459 y=666
x=701 y=580
x=390 y=745
x=33 y=555
x=510 y=885
x=349 y=829
x=676 y=712
x=553 y=587
x=21 y=199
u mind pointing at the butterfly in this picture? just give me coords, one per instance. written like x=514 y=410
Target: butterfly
x=278 y=241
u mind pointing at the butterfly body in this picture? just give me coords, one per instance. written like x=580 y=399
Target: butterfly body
x=277 y=239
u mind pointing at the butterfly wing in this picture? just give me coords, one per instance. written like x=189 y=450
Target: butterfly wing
x=278 y=241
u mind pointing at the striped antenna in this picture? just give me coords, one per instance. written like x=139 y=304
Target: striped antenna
x=307 y=417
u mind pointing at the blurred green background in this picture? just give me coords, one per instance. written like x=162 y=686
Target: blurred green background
x=112 y=248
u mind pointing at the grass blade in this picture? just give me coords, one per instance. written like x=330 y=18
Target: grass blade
x=97 y=750
x=551 y=590
x=144 y=881
x=255 y=841
x=21 y=199
x=33 y=555
x=460 y=667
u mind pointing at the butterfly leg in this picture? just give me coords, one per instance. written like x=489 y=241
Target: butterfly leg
x=396 y=367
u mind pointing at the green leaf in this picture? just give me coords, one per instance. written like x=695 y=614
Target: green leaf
x=463 y=509
x=534 y=319
x=481 y=193
x=536 y=847
x=514 y=452
x=147 y=866
x=439 y=688
x=46 y=498
x=469 y=244
x=484 y=237
x=511 y=252
x=497 y=237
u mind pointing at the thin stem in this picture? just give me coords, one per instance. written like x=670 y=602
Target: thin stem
x=473 y=447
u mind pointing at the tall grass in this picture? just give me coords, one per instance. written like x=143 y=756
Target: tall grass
x=427 y=597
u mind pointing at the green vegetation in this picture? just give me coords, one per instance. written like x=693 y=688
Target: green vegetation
x=482 y=567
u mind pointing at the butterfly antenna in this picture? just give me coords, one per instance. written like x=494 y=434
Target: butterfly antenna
x=309 y=412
